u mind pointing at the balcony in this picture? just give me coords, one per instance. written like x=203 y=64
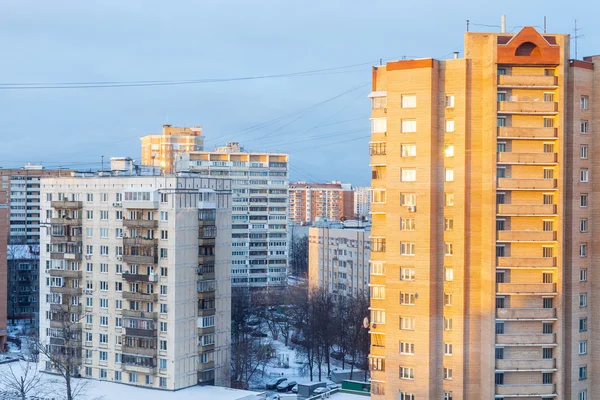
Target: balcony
x=65 y=273
x=378 y=208
x=66 y=204
x=150 y=297
x=526 y=364
x=527 y=133
x=142 y=351
x=146 y=369
x=526 y=390
x=526 y=236
x=526 y=313
x=129 y=259
x=528 y=107
x=65 y=239
x=526 y=262
x=527 y=209
x=378 y=160
x=65 y=290
x=136 y=277
x=65 y=256
x=526 y=184
x=140 y=223
x=526 y=288
x=528 y=81
x=151 y=333
x=527 y=158
x=66 y=221
x=140 y=241
x=527 y=340
x=140 y=314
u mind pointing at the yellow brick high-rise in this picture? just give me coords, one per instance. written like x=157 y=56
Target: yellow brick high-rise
x=482 y=222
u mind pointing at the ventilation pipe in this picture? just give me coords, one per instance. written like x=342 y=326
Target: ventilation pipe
x=503 y=24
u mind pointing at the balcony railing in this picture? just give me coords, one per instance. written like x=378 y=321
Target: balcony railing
x=527 y=288
x=526 y=390
x=142 y=351
x=141 y=332
x=526 y=262
x=65 y=239
x=526 y=236
x=526 y=313
x=66 y=221
x=524 y=340
x=65 y=256
x=66 y=204
x=140 y=241
x=527 y=158
x=524 y=81
x=527 y=209
x=140 y=223
x=526 y=184
x=527 y=132
x=150 y=297
x=140 y=314
x=137 y=259
x=65 y=273
x=65 y=290
x=527 y=107
x=136 y=277
x=526 y=364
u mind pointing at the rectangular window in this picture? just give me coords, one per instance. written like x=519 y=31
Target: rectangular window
x=583 y=395
x=407 y=299
x=410 y=396
x=448 y=374
x=407 y=224
x=378 y=196
x=448 y=224
x=583 y=300
x=583 y=225
x=449 y=125
x=547 y=378
x=407 y=323
x=583 y=151
x=449 y=150
x=583 y=324
x=408 y=199
x=583 y=175
x=407 y=348
x=448 y=274
x=449 y=101
x=378 y=125
x=407 y=274
x=377 y=292
x=407 y=373
x=583 y=200
x=379 y=102
x=448 y=249
x=409 y=101
x=583 y=275
x=407 y=248
x=447 y=324
x=584 y=102
x=501 y=121
x=449 y=175
x=583 y=373
x=408 y=175
x=164 y=215
x=584 y=127
x=447 y=299
x=377 y=268
x=583 y=347
x=408 y=125
x=548 y=122
x=583 y=250
x=501 y=96
x=408 y=150
x=447 y=349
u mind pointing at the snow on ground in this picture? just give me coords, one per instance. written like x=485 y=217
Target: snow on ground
x=116 y=391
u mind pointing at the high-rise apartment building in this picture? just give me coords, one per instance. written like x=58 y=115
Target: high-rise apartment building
x=362 y=202
x=311 y=201
x=259 y=181
x=162 y=150
x=23 y=283
x=138 y=267
x=482 y=220
x=338 y=259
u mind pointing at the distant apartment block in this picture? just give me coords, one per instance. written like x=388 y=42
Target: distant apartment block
x=162 y=150
x=339 y=258
x=141 y=265
x=259 y=181
x=23 y=283
x=310 y=201
x=362 y=202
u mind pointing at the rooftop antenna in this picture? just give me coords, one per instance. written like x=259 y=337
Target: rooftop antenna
x=102 y=164
x=467 y=25
x=575 y=37
x=544 y=24
x=381 y=61
x=503 y=23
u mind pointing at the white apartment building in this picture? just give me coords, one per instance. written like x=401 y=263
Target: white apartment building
x=362 y=201
x=259 y=181
x=338 y=258
x=140 y=266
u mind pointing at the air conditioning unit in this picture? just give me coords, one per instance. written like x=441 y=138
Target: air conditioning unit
x=153 y=277
x=88 y=291
x=119 y=258
x=88 y=257
x=412 y=208
x=117 y=204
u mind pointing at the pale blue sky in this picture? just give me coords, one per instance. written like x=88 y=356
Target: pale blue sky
x=75 y=41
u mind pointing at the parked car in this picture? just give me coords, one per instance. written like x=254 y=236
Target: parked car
x=295 y=389
x=273 y=383
x=321 y=390
x=337 y=355
x=286 y=386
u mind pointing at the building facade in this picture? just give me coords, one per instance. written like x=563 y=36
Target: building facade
x=310 y=201
x=138 y=268
x=259 y=181
x=162 y=150
x=362 y=202
x=482 y=215
x=338 y=259
x=23 y=283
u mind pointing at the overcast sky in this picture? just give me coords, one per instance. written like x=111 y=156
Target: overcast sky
x=127 y=40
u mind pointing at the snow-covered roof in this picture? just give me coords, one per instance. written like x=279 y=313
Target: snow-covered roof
x=23 y=252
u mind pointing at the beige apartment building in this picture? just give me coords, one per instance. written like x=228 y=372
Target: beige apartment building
x=338 y=259
x=482 y=209
x=161 y=150
x=310 y=201
x=140 y=266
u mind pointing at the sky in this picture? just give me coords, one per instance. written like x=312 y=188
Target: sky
x=321 y=119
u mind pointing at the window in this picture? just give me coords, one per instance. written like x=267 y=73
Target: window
x=408 y=125
x=583 y=300
x=449 y=101
x=583 y=373
x=501 y=71
x=548 y=122
x=449 y=150
x=407 y=274
x=164 y=215
x=377 y=148
x=407 y=348
x=148 y=379
x=163 y=290
x=164 y=253
x=163 y=363
x=378 y=316
x=583 y=324
x=448 y=249
x=377 y=292
x=584 y=127
x=583 y=275
x=409 y=101
x=408 y=396
x=583 y=250
x=448 y=374
x=103 y=338
x=103 y=250
x=163 y=345
x=547 y=353
x=447 y=395
x=89 y=250
x=582 y=395
x=547 y=378
x=449 y=199
x=499 y=378
x=407 y=299
x=164 y=235
x=583 y=200
x=104 y=286
x=408 y=199
x=447 y=324
x=407 y=373
x=583 y=347
x=548 y=97
x=118 y=322
x=89 y=197
x=547 y=251
x=583 y=175
x=163 y=382
x=448 y=224
x=501 y=96
x=378 y=196
x=583 y=151
x=499 y=328
x=449 y=125
x=448 y=274
x=407 y=323
x=408 y=175
x=447 y=299
x=378 y=125
x=133 y=377
x=377 y=268
x=583 y=225
x=407 y=224
x=103 y=303
x=407 y=248
x=89 y=232
x=89 y=214
x=449 y=175
x=501 y=121
x=584 y=102
x=379 y=102
x=104 y=215
x=118 y=304
x=447 y=349
x=163 y=308
x=408 y=150
x=103 y=356
x=501 y=147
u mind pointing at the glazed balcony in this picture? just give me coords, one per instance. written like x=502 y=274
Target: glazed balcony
x=378 y=160
x=66 y=221
x=526 y=236
x=65 y=256
x=150 y=333
x=526 y=340
x=66 y=204
x=65 y=290
x=526 y=390
x=527 y=133
x=140 y=241
x=526 y=262
x=526 y=313
x=527 y=81
x=65 y=273
x=140 y=223
x=140 y=314
x=527 y=209
x=526 y=184
x=527 y=107
x=140 y=277
x=145 y=369
x=142 y=351
x=140 y=259
x=526 y=364
x=527 y=158
x=65 y=239
x=378 y=208
x=149 y=297
x=526 y=288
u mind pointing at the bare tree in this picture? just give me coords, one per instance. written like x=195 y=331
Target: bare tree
x=23 y=380
x=299 y=255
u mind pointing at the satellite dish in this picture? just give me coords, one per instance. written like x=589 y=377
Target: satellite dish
x=366 y=322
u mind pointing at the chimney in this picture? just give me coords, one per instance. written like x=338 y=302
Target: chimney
x=503 y=24
x=456 y=55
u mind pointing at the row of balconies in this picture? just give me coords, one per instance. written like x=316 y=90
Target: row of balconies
x=526 y=262
x=527 y=158
x=526 y=236
x=539 y=364
x=526 y=288
x=63 y=204
x=527 y=107
x=140 y=223
x=527 y=209
x=526 y=390
x=526 y=184
x=528 y=81
x=526 y=314
x=534 y=339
